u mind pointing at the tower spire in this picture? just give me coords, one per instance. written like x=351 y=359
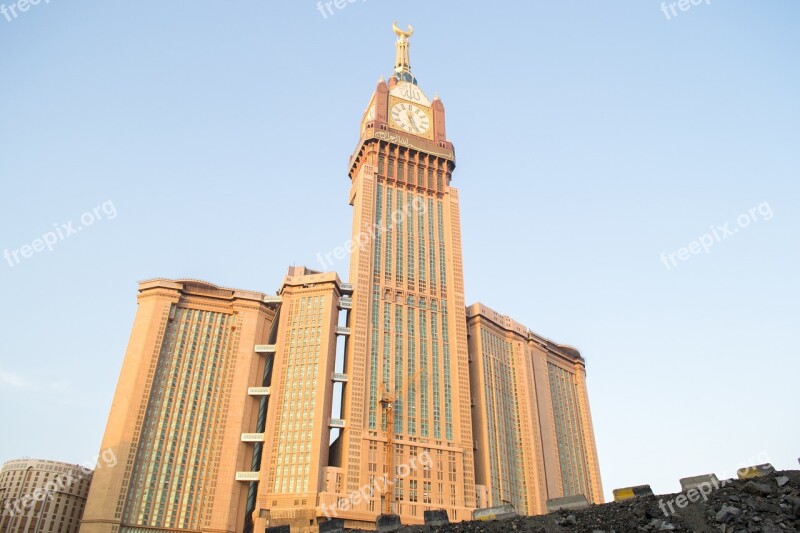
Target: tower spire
x=402 y=63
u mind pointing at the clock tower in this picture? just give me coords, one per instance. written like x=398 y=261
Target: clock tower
x=407 y=444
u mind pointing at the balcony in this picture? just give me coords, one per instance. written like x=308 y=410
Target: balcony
x=265 y=348
x=258 y=391
x=338 y=377
x=248 y=477
x=253 y=437
x=343 y=331
x=337 y=423
x=347 y=288
x=345 y=303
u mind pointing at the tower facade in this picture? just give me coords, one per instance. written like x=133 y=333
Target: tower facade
x=509 y=460
x=533 y=428
x=407 y=355
x=566 y=414
x=185 y=415
x=304 y=378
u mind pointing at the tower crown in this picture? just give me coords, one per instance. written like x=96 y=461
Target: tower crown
x=402 y=63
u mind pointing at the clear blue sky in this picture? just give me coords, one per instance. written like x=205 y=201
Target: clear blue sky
x=591 y=138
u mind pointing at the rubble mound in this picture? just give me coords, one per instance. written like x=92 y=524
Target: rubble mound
x=769 y=504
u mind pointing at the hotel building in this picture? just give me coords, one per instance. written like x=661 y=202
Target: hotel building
x=42 y=496
x=306 y=377
x=533 y=428
x=186 y=413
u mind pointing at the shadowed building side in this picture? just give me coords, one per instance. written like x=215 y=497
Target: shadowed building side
x=567 y=431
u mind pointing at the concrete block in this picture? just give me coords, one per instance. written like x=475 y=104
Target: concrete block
x=436 y=518
x=388 y=522
x=501 y=512
x=628 y=493
x=335 y=525
x=689 y=483
x=578 y=501
x=751 y=472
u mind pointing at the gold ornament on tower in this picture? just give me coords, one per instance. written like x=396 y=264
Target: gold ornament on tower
x=403 y=34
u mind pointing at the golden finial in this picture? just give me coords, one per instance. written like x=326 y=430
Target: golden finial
x=403 y=34
x=402 y=64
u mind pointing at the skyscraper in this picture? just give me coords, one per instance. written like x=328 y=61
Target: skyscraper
x=184 y=413
x=409 y=341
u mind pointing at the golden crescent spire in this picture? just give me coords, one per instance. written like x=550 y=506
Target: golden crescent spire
x=403 y=34
x=402 y=64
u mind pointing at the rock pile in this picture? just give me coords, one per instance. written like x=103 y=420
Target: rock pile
x=769 y=504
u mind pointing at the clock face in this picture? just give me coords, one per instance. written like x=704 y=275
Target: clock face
x=410 y=118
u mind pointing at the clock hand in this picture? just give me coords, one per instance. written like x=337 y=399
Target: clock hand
x=413 y=122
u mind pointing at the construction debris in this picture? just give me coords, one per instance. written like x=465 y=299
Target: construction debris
x=767 y=504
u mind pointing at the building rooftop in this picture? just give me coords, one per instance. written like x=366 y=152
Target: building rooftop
x=201 y=288
x=509 y=324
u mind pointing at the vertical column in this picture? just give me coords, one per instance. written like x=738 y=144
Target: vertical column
x=536 y=479
x=356 y=410
x=590 y=445
x=109 y=486
x=460 y=368
x=552 y=463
